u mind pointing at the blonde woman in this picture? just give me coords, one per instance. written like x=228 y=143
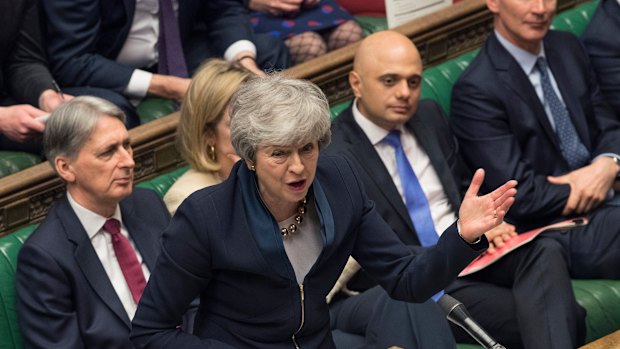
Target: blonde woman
x=203 y=133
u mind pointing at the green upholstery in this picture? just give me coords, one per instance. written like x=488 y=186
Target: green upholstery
x=155 y=108
x=162 y=183
x=10 y=336
x=371 y=24
x=601 y=298
x=437 y=81
x=576 y=19
x=14 y=161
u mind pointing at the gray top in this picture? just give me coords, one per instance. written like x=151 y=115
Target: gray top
x=304 y=246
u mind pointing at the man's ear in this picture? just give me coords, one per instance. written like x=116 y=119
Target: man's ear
x=493 y=6
x=64 y=169
x=355 y=80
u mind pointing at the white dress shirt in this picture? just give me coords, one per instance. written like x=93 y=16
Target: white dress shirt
x=441 y=211
x=102 y=243
x=140 y=50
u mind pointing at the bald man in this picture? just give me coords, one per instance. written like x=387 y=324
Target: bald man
x=523 y=300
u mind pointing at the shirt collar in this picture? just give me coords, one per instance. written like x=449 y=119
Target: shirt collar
x=374 y=133
x=525 y=59
x=91 y=221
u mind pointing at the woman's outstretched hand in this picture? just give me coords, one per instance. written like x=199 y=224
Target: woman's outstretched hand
x=479 y=214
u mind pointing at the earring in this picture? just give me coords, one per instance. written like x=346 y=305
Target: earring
x=211 y=152
x=253 y=168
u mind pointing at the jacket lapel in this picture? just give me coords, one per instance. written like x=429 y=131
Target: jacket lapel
x=88 y=261
x=367 y=156
x=513 y=76
x=438 y=160
x=145 y=240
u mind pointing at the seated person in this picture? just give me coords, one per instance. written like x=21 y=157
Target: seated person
x=203 y=132
x=604 y=49
x=81 y=273
x=27 y=89
x=523 y=300
x=135 y=49
x=529 y=107
x=263 y=248
x=309 y=28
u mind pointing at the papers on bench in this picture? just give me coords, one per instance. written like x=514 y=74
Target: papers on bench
x=401 y=11
x=486 y=259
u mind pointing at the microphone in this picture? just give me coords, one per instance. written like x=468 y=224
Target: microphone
x=457 y=314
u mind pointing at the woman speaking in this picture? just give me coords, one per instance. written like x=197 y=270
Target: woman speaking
x=263 y=249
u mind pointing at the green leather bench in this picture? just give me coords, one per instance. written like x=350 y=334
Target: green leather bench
x=148 y=110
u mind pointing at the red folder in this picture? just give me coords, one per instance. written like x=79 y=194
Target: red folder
x=486 y=259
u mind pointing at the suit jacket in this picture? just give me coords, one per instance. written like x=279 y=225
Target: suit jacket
x=23 y=70
x=223 y=245
x=85 y=37
x=604 y=49
x=502 y=126
x=430 y=127
x=65 y=299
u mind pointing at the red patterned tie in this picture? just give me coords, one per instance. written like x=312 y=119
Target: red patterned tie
x=127 y=259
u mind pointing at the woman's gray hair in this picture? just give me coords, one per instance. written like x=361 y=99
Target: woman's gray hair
x=279 y=111
x=70 y=125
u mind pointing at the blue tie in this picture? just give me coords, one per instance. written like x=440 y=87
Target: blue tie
x=573 y=150
x=415 y=199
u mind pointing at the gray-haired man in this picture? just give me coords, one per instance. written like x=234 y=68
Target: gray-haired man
x=81 y=273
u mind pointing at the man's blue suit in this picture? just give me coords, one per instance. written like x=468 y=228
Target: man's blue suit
x=65 y=299
x=603 y=46
x=502 y=127
x=506 y=296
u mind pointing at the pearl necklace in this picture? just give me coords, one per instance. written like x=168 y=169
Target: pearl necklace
x=298 y=219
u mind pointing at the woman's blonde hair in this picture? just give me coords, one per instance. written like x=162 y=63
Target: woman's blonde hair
x=204 y=106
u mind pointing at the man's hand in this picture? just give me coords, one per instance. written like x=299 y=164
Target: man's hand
x=248 y=60
x=18 y=124
x=341 y=284
x=589 y=185
x=50 y=99
x=275 y=7
x=169 y=87
x=479 y=214
x=500 y=234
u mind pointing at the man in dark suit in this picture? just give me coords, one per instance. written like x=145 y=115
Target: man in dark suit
x=117 y=44
x=27 y=89
x=528 y=107
x=603 y=46
x=81 y=273
x=524 y=299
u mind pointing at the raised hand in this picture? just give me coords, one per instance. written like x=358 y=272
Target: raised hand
x=479 y=214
